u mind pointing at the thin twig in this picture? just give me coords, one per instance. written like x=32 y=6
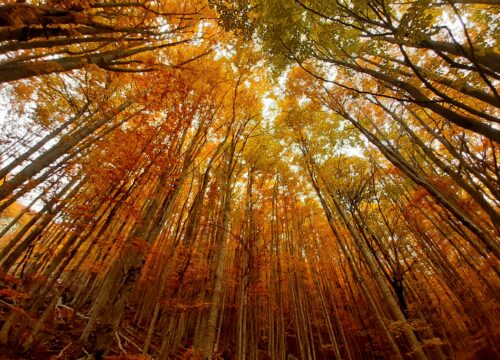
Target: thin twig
x=120 y=343
x=130 y=341
x=63 y=350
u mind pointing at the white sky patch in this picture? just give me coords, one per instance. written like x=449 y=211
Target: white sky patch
x=352 y=151
x=14 y=126
x=164 y=28
x=295 y=168
x=303 y=100
x=3 y=111
x=453 y=23
x=25 y=200
x=282 y=81
x=330 y=74
x=198 y=39
x=226 y=52
x=269 y=110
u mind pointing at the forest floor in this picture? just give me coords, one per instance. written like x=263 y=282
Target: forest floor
x=58 y=338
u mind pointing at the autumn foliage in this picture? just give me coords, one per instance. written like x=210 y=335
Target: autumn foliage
x=288 y=179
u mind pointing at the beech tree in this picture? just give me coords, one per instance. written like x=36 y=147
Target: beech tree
x=59 y=36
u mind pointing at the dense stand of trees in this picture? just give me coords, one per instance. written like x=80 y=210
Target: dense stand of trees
x=250 y=180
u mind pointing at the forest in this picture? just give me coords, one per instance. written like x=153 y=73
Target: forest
x=249 y=179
